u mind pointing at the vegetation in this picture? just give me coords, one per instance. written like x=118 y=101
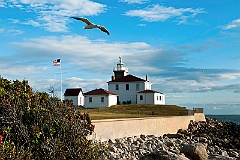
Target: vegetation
x=136 y=111
x=34 y=125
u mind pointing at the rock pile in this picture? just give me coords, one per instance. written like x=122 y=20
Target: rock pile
x=201 y=141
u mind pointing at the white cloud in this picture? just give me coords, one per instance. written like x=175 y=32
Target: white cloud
x=15 y=32
x=175 y=96
x=229 y=76
x=142 y=25
x=234 y=24
x=10 y=32
x=78 y=53
x=2 y=3
x=33 y=23
x=160 y=13
x=134 y=1
x=20 y=70
x=53 y=15
x=193 y=82
x=217 y=108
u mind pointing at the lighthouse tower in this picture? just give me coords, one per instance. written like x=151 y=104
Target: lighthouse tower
x=120 y=70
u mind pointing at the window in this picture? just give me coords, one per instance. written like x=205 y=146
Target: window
x=127 y=86
x=137 y=87
x=102 y=99
x=117 y=87
x=141 y=97
x=90 y=100
x=157 y=97
x=160 y=98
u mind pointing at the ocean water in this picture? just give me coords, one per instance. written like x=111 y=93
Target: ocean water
x=226 y=118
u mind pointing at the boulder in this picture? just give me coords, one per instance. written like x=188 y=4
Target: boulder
x=196 y=151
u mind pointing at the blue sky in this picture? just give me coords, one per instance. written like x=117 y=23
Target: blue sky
x=189 y=49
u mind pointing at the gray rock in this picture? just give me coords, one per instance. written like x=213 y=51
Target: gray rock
x=196 y=151
x=224 y=153
x=219 y=157
x=140 y=140
x=143 y=137
x=130 y=139
x=177 y=156
x=233 y=154
x=113 y=148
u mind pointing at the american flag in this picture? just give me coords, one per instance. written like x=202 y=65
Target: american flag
x=57 y=62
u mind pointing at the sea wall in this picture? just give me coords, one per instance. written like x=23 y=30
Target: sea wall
x=129 y=127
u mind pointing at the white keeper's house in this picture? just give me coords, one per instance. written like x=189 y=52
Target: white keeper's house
x=99 y=98
x=123 y=88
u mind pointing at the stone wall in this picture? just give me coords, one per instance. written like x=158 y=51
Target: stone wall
x=158 y=126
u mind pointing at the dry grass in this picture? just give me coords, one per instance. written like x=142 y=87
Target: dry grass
x=136 y=111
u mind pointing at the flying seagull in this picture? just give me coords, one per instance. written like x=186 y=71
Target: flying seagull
x=91 y=25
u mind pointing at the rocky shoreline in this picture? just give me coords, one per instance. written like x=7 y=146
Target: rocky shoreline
x=201 y=141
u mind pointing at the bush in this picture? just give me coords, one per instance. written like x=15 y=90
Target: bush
x=34 y=125
x=129 y=102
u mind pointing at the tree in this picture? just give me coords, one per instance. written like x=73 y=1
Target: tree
x=34 y=125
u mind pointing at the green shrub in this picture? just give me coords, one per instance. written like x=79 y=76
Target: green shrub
x=36 y=126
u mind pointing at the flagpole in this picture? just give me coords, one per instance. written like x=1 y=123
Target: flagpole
x=61 y=78
x=58 y=63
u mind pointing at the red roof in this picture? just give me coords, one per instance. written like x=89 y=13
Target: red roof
x=99 y=92
x=149 y=91
x=72 y=92
x=128 y=78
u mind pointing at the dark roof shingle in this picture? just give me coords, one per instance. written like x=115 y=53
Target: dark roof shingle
x=99 y=92
x=72 y=91
x=128 y=78
x=149 y=91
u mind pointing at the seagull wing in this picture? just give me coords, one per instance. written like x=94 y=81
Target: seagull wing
x=103 y=29
x=85 y=20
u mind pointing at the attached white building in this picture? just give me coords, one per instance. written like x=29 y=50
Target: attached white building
x=76 y=95
x=150 y=97
x=99 y=98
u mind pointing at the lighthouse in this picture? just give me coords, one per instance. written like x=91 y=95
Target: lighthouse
x=120 y=70
x=132 y=89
